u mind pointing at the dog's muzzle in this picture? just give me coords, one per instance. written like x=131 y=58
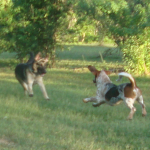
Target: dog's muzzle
x=42 y=75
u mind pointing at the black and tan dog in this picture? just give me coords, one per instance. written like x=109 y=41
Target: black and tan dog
x=109 y=93
x=31 y=73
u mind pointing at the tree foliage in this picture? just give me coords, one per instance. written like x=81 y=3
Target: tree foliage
x=34 y=25
x=129 y=27
x=6 y=19
x=127 y=23
x=41 y=25
x=79 y=25
x=123 y=18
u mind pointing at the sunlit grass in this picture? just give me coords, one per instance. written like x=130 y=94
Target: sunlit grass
x=65 y=122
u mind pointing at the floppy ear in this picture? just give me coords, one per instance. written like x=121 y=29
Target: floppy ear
x=108 y=72
x=37 y=57
x=93 y=70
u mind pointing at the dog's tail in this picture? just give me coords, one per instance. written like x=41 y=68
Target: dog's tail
x=31 y=58
x=124 y=74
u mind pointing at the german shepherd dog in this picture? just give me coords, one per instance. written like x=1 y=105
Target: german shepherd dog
x=31 y=73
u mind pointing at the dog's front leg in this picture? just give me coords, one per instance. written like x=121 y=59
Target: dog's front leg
x=40 y=83
x=100 y=101
x=98 y=104
x=94 y=99
x=90 y=99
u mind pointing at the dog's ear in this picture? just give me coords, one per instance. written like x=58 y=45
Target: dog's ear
x=46 y=59
x=36 y=59
x=38 y=56
x=93 y=70
x=108 y=72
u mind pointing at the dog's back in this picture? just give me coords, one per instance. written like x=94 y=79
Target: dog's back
x=21 y=69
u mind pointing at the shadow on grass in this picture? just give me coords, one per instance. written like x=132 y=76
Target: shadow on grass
x=89 y=53
x=77 y=57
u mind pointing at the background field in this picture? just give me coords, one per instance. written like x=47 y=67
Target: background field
x=65 y=122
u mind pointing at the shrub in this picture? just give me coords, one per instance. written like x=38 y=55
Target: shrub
x=136 y=53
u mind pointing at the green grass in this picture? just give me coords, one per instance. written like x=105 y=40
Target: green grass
x=65 y=122
x=82 y=56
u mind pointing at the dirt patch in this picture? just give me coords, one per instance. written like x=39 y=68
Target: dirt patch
x=6 y=142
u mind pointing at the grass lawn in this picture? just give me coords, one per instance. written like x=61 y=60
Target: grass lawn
x=65 y=122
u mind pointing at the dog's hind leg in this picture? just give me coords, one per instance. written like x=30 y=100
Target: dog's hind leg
x=24 y=85
x=30 y=81
x=129 y=102
x=25 y=88
x=141 y=102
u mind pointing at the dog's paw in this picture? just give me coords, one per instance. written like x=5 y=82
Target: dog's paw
x=129 y=119
x=143 y=115
x=85 y=101
x=95 y=104
x=30 y=95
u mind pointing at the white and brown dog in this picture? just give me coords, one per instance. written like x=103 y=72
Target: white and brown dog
x=109 y=93
x=31 y=73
